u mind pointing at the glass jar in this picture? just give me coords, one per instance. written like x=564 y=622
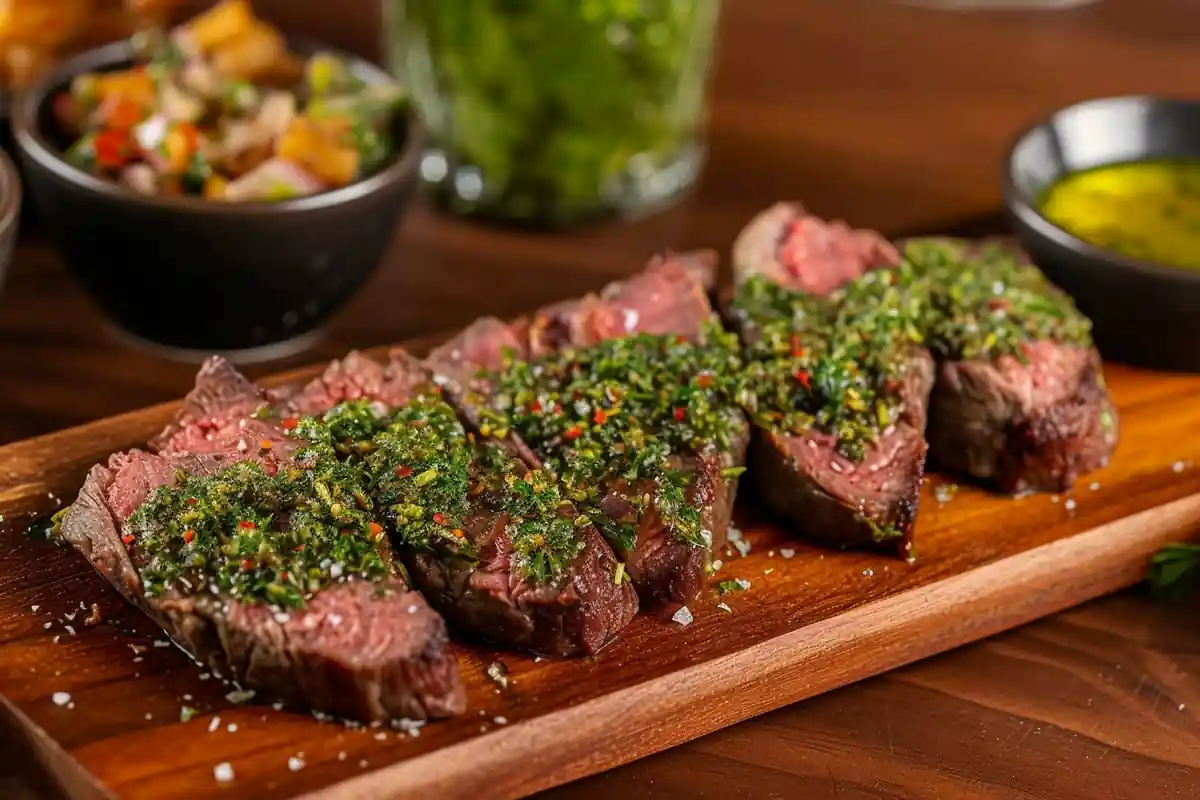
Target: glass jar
x=550 y=112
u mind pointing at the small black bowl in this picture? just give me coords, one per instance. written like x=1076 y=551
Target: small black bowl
x=1143 y=313
x=249 y=280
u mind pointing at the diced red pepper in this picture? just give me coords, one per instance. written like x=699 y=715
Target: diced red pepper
x=803 y=377
x=403 y=471
x=680 y=414
x=283 y=576
x=299 y=548
x=536 y=406
x=600 y=416
x=128 y=539
x=572 y=433
x=797 y=348
x=439 y=518
x=112 y=149
x=290 y=423
x=189 y=535
x=704 y=380
x=265 y=444
x=247 y=525
x=191 y=501
x=375 y=528
x=680 y=339
x=458 y=533
x=247 y=565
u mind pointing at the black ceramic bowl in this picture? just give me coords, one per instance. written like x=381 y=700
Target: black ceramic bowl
x=1143 y=313
x=250 y=280
x=10 y=211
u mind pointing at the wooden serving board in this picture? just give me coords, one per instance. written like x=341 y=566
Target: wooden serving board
x=810 y=622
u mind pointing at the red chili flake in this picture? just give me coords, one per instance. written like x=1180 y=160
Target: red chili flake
x=375 y=528
x=536 y=406
x=600 y=416
x=128 y=539
x=797 y=348
x=403 y=471
x=998 y=304
x=247 y=525
x=191 y=501
x=265 y=444
x=299 y=548
x=439 y=518
x=572 y=433
x=290 y=423
x=804 y=378
x=704 y=380
x=247 y=565
x=189 y=535
x=680 y=414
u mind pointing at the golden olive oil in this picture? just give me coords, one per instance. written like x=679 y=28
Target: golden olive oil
x=1148 y=210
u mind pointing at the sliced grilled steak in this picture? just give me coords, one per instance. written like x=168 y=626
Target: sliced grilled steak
x=367 y=650
x=1031 y=420
x=667 y=298
x=1019 y=401
x=498 y=593
x=801 y=475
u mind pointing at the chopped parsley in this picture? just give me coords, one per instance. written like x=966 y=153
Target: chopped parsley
x=1175 y=570
x=616 y=420
x=837 y=364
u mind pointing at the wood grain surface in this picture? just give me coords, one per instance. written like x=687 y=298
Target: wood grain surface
x=893 y=117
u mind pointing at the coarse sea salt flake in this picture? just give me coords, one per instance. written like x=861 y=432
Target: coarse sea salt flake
x=61 y=698
x=683 y=616
x=295 y=764
x=787 y=552
x=223 y=772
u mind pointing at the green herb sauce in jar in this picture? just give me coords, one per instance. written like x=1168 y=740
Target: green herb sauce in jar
x=550 y=112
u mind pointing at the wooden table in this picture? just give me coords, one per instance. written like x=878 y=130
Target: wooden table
x=896 y=118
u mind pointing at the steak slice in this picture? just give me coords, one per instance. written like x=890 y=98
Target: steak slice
x=667 y=298
x=575 y=611
x=1034 y=420
x=364 y=650
x=801 y=475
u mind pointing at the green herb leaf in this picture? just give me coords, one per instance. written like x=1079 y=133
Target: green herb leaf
x=1175 y=570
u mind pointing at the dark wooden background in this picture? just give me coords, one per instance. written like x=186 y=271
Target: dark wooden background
x=895 y=118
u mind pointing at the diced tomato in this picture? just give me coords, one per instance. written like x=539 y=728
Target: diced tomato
x=189 y=535
x=572 y=433
x=247 y=525
x=599 y=416
x=803 y=377
x=439 y=518
x=128 y=539
x=113 y=148
x=375 y=528
x=704 y=380
x=403 y=471
x=680 y=414
x=290 y=423
x=247 y=565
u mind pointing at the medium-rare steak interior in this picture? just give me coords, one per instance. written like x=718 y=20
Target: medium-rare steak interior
x=841 y=331
x=263 y=556
x=630 y=397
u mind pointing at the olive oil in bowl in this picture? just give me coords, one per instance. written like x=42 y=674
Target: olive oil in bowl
x=1149 y=210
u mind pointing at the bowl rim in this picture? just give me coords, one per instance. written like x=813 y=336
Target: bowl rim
x=10 y=193
x=33 y=144
x=1025 y=209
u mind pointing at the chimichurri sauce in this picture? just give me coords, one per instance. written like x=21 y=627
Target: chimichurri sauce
x=837 y=364
x=624 y=412
x=1148 y=209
